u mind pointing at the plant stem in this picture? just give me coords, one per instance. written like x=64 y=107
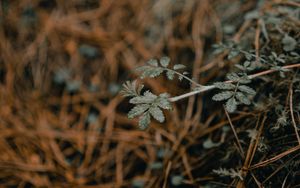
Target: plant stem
x=185 y=77
x=201 y=90
x=210 y=87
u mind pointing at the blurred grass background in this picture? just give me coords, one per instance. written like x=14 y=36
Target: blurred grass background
x=62 y=64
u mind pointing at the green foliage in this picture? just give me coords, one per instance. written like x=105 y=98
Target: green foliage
x=289 y=43
x=234 y=92
x=153 y=69
x=131 y=89
x=231 y=173
x=146 y=104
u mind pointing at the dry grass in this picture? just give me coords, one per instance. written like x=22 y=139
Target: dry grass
x=51 y=136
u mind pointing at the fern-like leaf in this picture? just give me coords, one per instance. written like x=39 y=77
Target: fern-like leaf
x=157 y=114
x=223 y=95
x=144 y=121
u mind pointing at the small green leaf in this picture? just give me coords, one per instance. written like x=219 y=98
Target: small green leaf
x=163 y=101
x=152 y=72
x=178 y=66
x=156 y=165
x=177 y=180
x=207 y=144
x=170 y=74
x=164 y=61
x=233 y=53
x=157 y=114
x=240 y=67
x=247 y=63
x=242 y=98
x=147 y=98
x=224 y=85
x=252 y=15
x=137 y=110
x=223 y=95
x=231 y=105
x=144 y=121
x=247 y=89
x=289 y=43
x=233 y=77
x=153 y=62
x=244 y=79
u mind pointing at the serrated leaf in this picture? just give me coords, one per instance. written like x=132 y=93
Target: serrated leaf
x=223 y=95
x=148 y=94
x=224 y=85
x=147 y=98
x=144 y=121
x=233 y=77
x=244 y=79
x=137 y=110
x=163 y=102
x=231 y=105
x=170 y=74
x=129 y=89
x=242 y=98
x=178 y=66
x=247 y=89
x=165 y=105
x=153 y=62
x=164 y=61
x=152 y=72
x=157 y=114
x=139 y=89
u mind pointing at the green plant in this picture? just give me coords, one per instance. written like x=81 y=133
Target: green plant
x=233 y=91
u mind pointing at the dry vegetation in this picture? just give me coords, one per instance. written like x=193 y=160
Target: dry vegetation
x=63 y=122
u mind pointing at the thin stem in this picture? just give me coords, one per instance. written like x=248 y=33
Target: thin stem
x=240 y=148
x=210 y=87
x=201 y=90
x=185 y=77
x=292 y=113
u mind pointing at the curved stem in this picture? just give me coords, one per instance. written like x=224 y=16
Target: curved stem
x=210 y=87
x=185 y=77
